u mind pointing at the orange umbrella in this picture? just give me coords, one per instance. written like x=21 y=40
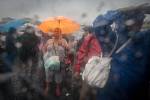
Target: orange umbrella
x=66 y=25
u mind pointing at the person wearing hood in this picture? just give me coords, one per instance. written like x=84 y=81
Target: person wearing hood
x=89 y=47
x=129 y=73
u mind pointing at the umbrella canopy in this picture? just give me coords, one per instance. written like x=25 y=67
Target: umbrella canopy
x=6 y=20
x=15 y=24
x=66 y=25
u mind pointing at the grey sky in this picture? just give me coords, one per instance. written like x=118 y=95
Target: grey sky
x=83 y=11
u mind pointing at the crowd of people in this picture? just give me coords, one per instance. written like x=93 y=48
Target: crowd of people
x=39 y=66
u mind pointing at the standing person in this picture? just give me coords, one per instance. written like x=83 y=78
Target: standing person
x=28 y=49
x=26 y=64
x=72 y=43
x=54 y=58
x=128 y=77
x=6 y=90
x=89 y=47
x=11 y=49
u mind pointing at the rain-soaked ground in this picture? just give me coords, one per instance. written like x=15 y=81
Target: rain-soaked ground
x=28 y=84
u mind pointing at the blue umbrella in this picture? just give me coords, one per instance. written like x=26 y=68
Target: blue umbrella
x=15 y=24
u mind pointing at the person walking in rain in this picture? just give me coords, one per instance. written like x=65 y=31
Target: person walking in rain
x=26 y=64
x=54 y=57
x=90 y=47
x=6 y=73
x=129 y=73
x=11 y=49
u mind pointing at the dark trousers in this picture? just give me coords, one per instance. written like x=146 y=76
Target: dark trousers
x=6 y=91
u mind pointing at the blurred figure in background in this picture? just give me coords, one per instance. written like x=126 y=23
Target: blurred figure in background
x=6 y=89
x=89 y=47
x=55 y=51
x=11 y=50
x=27 y=64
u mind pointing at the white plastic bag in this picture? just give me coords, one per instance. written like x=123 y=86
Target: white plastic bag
x=52 y=63
x=96 y=71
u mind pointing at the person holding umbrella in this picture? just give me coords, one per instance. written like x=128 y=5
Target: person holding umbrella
x=55 y=48
x=54 y=56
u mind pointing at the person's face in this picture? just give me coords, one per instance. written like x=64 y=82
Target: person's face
x=57 y=33
x=136 y=27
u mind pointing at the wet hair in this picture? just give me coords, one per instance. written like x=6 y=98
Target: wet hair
x=29 y=30
x=57 y=30
x=88 y=29
x=136 y=16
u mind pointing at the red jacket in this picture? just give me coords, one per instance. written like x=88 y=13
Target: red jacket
x=89 y=47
